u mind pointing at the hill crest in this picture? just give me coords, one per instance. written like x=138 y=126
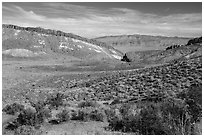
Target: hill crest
x=47 y=40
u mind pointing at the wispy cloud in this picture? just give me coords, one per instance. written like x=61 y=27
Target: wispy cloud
x=91 y=22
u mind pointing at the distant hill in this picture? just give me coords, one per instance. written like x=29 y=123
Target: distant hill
x=126 y=43
x=192 y=48
x=31 y=42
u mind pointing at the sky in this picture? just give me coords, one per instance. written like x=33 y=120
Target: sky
x=95 y=19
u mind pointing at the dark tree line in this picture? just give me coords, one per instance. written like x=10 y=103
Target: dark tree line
x=190 y=42
x=195 y=41
x=173 y=46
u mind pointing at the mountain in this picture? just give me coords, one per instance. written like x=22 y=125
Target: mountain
x=192 y=48
x=38 y=42
x=126 y=43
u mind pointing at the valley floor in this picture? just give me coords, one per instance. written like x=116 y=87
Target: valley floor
x=25 y=81
x=20 y=77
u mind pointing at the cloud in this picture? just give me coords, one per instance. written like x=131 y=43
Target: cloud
x=91 y=22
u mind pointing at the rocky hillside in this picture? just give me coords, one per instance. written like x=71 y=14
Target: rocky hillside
x=152 y=83
x=31 y=42
x=192 y=48
x=146 y=42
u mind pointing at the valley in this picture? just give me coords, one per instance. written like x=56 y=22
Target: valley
x=60 y=83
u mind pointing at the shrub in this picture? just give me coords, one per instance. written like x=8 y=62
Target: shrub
x=97 y=115
x=167 y=117
x=89 y=113
x=64 y=116
x=55 y=100
x=38 y=106
x=30 y=117
x=194 y=101
x=46 y=113
x=88 y=104
x=175 y=116
x=74 y=115
x=144 y=121
x=109 y=114
x=13 y=108
x=25 y=130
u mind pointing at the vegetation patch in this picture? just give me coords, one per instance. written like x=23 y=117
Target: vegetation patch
x=171 y=116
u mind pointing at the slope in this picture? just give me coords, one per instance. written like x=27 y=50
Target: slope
x=126 y=43
x=31 y=42
x=169 y=54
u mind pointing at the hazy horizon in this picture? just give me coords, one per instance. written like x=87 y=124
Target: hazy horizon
x=96 y=19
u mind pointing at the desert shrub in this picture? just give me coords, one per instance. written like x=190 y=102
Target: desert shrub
x=97 y=115
x=175 y=116
x=64 y=116
x=87 y=84
x=38 y=105
x=89 y=113
x=88 y=104
x=55 y=100
x=194 y=101
x=116 y=101
x=13 y=108
x=167 y=117
x=82 y=115
x=144 y=121
x=148 y=121
x=45 y=113
x=74 y=115
x=110 y=113
x=30 y=117
x=25 y=130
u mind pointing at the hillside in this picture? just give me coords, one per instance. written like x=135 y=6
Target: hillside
x=31 y=42
x=192 y=48
x=126 y=43
x=151 y=83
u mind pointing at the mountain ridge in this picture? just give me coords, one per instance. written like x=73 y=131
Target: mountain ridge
x=126 y=43
x=47 y=40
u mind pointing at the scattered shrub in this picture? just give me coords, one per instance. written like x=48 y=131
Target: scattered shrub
x=167 y=117
x=38 y=106
x=25 y=130
x=13 y=108
x=30 y=117
x=88 y=104
x=64 y=116
x=194 y=101
x=89 y=113
x=97 y=115
x=55 y=100
x=46 y=113
x=116 y=101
